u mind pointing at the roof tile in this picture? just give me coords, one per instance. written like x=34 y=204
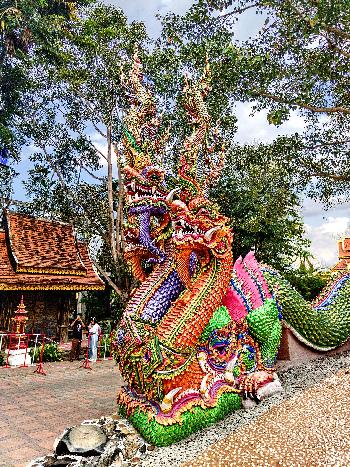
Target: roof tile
x=42 y=244
x=31 y=261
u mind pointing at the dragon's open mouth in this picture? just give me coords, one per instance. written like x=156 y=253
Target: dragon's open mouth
x=181 y=228
x=184 y=231
x=136 y=191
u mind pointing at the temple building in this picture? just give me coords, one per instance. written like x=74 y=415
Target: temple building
x=42 y=261
x=344 y=255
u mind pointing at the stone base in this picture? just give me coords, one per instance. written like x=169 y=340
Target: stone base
x=18 y=357
x=292 y=352
x=112 y=441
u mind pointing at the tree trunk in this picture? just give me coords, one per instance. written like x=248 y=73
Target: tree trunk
x=119 y=222
x=111 y=226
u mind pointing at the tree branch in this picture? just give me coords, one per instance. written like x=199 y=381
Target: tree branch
x=100 y=179
x=238 y=10
x=312 y=108
x=329 y=143
x=109 y=281
x=333 y=46
x=99 y=131
x=336 y=178
x=111 y=226
x=53 y=167
x=338 y=32
x=94 y=112
x=91 y=143
x=318 y=172
x=306 y=18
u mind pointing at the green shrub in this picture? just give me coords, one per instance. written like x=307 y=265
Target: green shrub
x=51 y=353
x=307 y=282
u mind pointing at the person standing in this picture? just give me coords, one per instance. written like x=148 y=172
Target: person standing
x=94 y=336
x=78 y=327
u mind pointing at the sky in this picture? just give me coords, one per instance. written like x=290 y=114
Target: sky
x=323 y=228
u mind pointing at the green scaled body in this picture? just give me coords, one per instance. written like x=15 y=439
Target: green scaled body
x=323 y=325
x=265 y=327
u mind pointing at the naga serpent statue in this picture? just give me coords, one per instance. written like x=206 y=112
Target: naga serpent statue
x=201 y=333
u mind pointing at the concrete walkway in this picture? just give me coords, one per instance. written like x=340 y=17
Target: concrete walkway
x=310 y=429
x=35 y=409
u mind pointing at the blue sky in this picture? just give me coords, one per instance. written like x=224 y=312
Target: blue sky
x=323 y=227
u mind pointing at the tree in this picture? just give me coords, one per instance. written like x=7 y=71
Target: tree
x=258 y=192
x=82 y=99
x=259 y=188
x=297 y=61
x=28 y=30
x=308 y=281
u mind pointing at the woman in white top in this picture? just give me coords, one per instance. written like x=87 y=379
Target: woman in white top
x=93 y=336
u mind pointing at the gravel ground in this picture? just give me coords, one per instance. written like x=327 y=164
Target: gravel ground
x=294 y=380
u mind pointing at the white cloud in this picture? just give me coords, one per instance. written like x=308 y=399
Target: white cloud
x=255 y=128
x=314 y=212
x=324 y=239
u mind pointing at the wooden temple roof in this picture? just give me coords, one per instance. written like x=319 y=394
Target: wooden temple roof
x=38 y=254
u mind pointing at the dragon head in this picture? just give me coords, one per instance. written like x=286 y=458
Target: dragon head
x=198 y=225
x=147 y=216
x=198 y=231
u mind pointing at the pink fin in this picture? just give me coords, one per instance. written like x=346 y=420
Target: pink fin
x=249 y=287
x=235 y=305
x=252 y=265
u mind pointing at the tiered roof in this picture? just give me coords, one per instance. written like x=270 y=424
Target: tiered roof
x=344 y=255
x=38 y=254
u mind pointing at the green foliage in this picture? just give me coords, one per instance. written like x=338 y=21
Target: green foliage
x=28 y=31
x=51 y=353
x=296 y=60
x=101 y=305
x=74 y=96
x=191 y=421
x=258 y=192
x=308 y=283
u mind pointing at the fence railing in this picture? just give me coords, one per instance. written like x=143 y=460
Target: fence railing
x=26 y=346
x=29 y=343
x=103 y=346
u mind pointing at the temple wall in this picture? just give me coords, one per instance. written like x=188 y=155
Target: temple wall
x=48 y=311
x=293 y=352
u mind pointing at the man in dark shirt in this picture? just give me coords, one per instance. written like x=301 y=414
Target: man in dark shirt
x=77 y=327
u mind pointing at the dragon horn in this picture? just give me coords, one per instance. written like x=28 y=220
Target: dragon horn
x=170 y=195
x=210 y=232
x=168 y=400
x=228 y=375
x=204 y=386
